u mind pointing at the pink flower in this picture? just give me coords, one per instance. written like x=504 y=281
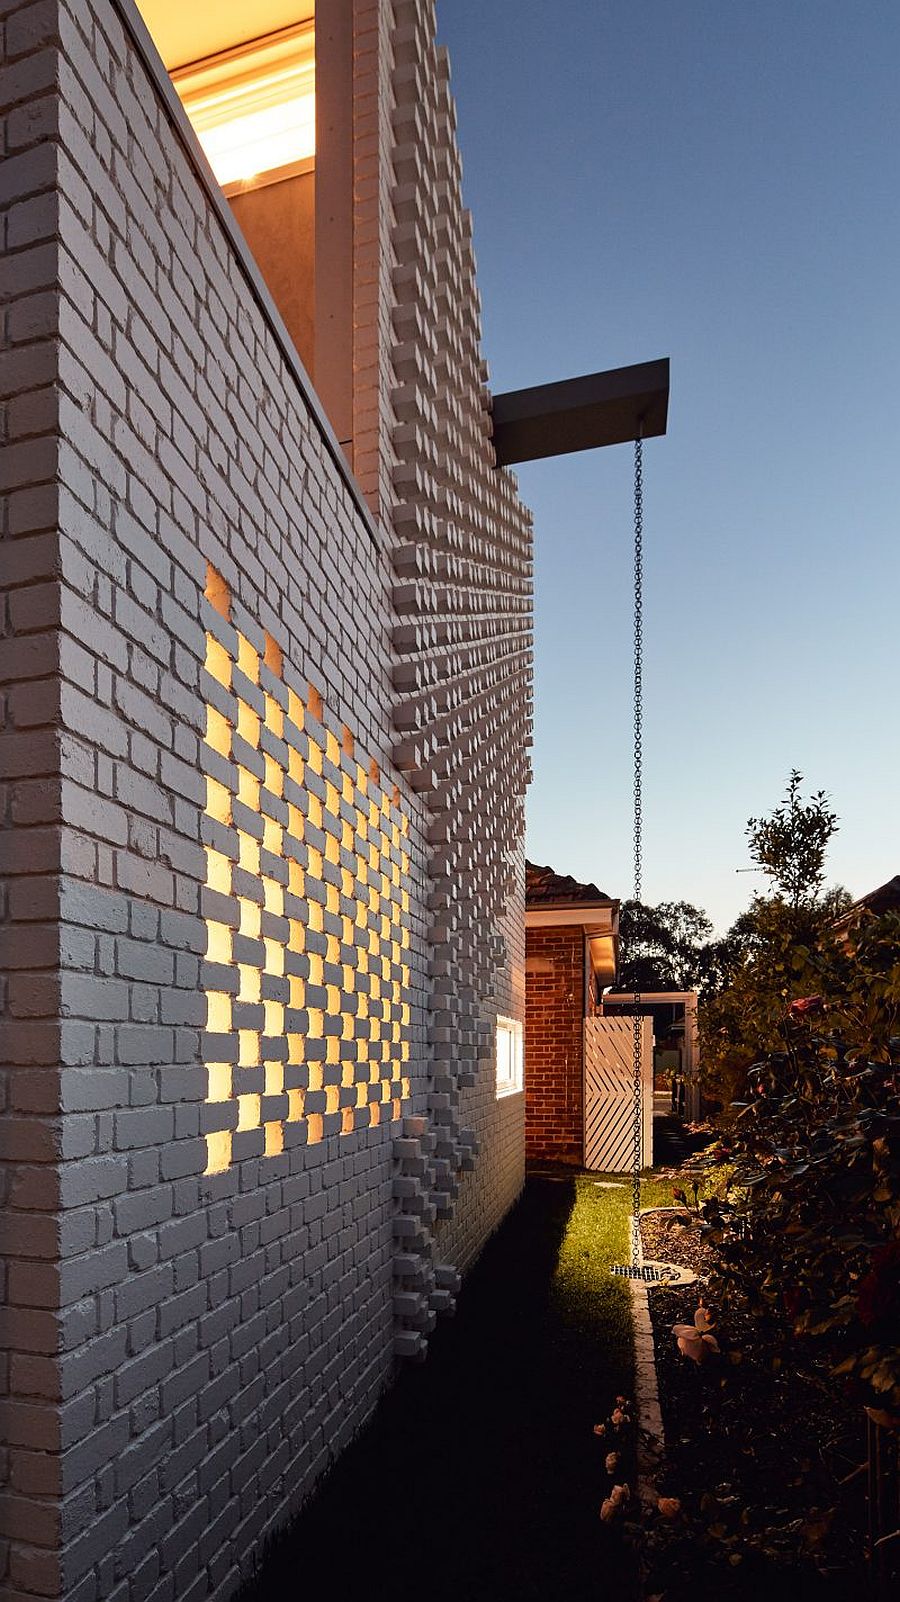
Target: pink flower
x=612 y=1459
x=617 y=1418
x=669 y=1507
x=599 y=1429
x=694 y=1340
x=804 y=1005
x=608 y=1509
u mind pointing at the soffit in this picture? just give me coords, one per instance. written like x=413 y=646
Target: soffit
x=600 y=918
x=183 y=32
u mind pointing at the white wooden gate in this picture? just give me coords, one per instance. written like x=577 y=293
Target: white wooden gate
x=608 y=1093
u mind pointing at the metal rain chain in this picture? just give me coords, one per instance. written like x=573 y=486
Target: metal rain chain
x=637 y=1269
x=579 y=414
x=637 y=1066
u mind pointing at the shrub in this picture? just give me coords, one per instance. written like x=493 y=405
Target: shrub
x=811 y=1233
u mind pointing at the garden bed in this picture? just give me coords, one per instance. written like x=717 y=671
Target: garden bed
x=761 y=1449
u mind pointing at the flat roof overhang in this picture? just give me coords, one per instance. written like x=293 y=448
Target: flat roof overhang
x=598 y=921
x=600 y=915
x=580 y=414
x=625 y=998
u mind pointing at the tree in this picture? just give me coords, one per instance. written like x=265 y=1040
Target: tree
x=662 y=947
x=816 y=1154
x=771 y=955
x=668 y=947
x=808 y=1231
x=790 y=845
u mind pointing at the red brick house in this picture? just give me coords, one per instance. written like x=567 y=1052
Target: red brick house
x=571 y=951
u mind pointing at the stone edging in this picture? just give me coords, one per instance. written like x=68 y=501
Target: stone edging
x=651 y=1440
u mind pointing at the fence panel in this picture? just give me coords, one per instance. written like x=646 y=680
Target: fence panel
x=608 y=1094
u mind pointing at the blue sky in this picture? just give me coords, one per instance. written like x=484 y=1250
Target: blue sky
x=718 y=182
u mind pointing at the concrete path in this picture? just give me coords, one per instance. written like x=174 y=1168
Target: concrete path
x=673 y=1144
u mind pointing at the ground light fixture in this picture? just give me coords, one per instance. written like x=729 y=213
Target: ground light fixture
x=578 y=414
x=253 y=108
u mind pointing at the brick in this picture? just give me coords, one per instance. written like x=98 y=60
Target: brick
x=143 y=1126
x=30 y=850
x=86 y=996
x=30 y=657
x=36 y=1572
x=37 y=801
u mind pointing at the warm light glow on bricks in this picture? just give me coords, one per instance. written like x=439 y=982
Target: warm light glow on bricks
x=298 y=957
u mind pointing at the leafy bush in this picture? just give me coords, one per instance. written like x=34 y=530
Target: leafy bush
x=771 y=954
x=811 y=1233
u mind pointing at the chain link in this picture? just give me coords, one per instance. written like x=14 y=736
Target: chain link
x=637 y=1064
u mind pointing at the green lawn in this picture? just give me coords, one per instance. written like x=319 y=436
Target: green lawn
x=597 y=1235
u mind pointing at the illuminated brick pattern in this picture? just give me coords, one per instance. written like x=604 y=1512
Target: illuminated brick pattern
x=307 y=917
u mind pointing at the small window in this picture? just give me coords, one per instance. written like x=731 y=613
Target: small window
x=509 y=1057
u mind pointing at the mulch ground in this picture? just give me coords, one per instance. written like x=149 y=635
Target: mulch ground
x=479 y=1478
x=758 y=1441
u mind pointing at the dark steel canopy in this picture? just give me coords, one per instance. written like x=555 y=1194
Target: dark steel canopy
x=579 y=414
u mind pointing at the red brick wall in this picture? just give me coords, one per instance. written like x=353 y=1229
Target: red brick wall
x=554 y=1010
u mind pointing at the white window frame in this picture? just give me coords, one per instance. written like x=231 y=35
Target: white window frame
x=510 y=1057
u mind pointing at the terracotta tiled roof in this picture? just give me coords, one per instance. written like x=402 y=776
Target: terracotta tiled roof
x=545 y=888
x=885 y=899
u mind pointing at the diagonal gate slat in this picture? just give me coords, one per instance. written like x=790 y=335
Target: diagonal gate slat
x=608 y=1108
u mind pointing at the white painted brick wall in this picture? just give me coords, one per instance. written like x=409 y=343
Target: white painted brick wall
x=186 y=1352
x=31 y=1131
x=462 y=559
